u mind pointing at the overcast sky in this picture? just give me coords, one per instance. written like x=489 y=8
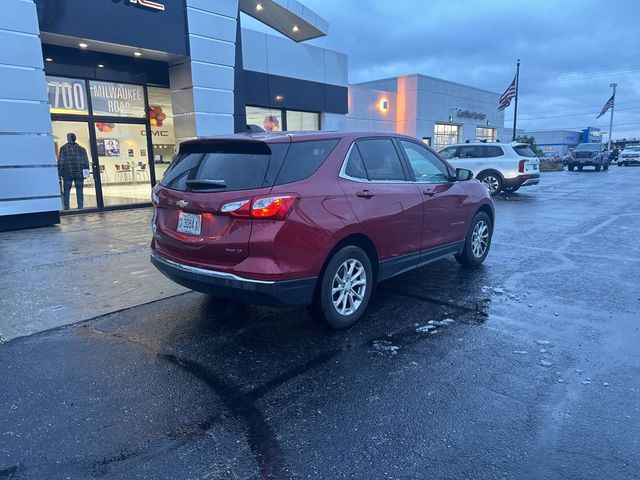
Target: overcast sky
x=571 y=50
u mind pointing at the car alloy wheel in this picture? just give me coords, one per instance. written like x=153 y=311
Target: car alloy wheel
x=349 y=287
x=480 y=239
x=492 y=183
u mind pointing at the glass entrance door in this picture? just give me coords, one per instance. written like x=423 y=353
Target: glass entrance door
x=79 y=186
x=124 y=163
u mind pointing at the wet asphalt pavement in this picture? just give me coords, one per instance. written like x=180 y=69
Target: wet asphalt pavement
x=537 y=376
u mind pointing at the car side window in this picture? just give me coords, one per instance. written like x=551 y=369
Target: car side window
x=448 y=152
x=355 y=166
x=426 y=166
x=469 y=151
x=491 y=151
x=380 y=159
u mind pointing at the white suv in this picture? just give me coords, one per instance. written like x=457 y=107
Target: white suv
x=500 y=166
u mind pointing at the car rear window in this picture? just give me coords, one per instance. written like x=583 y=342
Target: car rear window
x=524 y=151
x=231 y=165
x=491 y=151
x=303 y=159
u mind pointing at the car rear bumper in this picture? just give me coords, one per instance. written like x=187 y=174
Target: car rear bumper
x=285 y=293
x=629 y=161
x=522 y=180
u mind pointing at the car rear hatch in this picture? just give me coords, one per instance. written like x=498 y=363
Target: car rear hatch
x=193 y=218
x=529 y=162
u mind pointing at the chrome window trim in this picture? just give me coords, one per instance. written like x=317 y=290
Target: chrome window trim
x=207 y=273
x=343 y=169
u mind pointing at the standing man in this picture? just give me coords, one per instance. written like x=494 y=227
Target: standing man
x=73 y=166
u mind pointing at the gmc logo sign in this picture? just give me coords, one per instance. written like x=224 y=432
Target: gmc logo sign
x=151 y=4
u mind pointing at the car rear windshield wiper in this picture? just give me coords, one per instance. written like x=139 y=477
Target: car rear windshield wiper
x=206 y=184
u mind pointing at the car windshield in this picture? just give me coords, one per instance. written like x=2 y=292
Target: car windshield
x=589 y=146
x=633 y=148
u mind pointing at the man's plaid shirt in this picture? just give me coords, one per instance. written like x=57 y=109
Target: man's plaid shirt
x=72 y=160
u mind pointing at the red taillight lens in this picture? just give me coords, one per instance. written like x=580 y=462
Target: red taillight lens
x=272 y=207
x=521 y=166
x=276 y=207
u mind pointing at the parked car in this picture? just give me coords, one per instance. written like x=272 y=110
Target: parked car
x=500 y=166
x=589 y=154
x=312 y=218
x=629 y=156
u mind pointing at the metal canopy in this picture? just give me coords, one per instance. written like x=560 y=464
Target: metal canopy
x=289 y=17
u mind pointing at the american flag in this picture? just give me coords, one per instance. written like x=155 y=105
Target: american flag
x=508 y=95
x=607 y=106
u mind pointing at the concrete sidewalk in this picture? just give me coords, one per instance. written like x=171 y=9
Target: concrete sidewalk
x=89 y=265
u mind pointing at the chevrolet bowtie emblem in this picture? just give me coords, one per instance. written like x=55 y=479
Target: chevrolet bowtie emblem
x=181 y=203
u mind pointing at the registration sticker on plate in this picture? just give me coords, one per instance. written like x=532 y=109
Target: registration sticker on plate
x=189 y=223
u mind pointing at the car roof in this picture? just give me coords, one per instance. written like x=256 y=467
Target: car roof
x=484 y=144
x=292 y=136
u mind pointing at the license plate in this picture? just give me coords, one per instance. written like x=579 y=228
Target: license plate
x=189 y=223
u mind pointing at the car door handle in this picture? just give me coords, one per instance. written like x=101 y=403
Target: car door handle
x=428 y=192
x=365 y=194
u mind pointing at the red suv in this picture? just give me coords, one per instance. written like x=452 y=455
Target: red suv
x=312 y=218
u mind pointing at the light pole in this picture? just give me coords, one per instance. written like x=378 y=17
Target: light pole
x=613 y=85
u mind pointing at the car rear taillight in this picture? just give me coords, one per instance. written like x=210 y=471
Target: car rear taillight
x=272 y=208
x=521 y=166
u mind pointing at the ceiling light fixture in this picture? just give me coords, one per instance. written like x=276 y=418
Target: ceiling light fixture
x=259 y=7
x=295 y=28
x=137 y=54
x=83 y=45
x=49 y=59
x=100 y=65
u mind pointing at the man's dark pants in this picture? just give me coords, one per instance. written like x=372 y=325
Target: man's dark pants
x=66 y=185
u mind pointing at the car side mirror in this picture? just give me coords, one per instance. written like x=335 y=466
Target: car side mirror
x=462 y=174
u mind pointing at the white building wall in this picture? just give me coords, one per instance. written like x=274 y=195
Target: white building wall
x=202 y=86
x=419 y=102
x=28 y=166
x=367 y=112
x=280 y=56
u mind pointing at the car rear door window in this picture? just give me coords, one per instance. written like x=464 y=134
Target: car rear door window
x=380 y=159
x=355 y=165
x=426 y=166
x=226 y=166
x=469 y=151
x=491 y=151
x=303 y=159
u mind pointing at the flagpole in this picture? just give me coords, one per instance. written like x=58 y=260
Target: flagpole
x=515 y=110
x=614 y=85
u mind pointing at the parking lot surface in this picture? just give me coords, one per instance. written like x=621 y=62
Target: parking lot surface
x=527 y=367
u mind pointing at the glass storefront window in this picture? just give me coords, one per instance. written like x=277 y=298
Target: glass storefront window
x=270 y=119
x=445 y=134
x=67 y=96
x=162 y=133
x=487 y=134
x=302 y=120
x=123 y=159
x=117 y=99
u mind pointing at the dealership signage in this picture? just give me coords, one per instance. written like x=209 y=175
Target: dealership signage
x=471 y=114
x=67 y=95
x=149 y=4
x=117 y=99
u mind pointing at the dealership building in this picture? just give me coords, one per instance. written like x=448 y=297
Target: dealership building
x=133 y=78
x=559 y=142
x=437 y=111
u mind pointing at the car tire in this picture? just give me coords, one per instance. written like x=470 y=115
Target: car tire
x=571 y=167
x=597 y=168
x=621 y=164
x=493 y=181
x=477 y=242
x=605 y=167
x=580 y=167
x=328 y=306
